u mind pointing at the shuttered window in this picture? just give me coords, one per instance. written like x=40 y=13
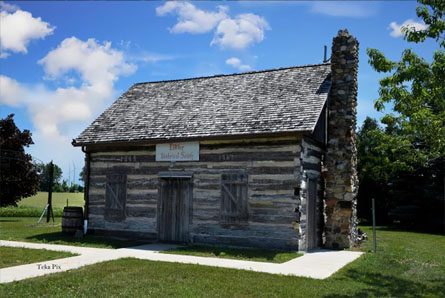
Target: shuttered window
x=234 y=197
x=115 y=197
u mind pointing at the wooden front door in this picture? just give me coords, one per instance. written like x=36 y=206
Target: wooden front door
x=174 y=209
x=311 y=225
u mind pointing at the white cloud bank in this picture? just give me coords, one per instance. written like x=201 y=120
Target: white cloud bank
x=235 y=33
x=238 y=64
x=190 y=18
x=18 y=28
x=98 y=66
x=10 y=91
x=240 y=32
x=410 y=24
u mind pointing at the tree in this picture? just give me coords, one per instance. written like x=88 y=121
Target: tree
x=374 y=165
x=18 y=176
x=412 y=144
x=416 y=90
x=82 y=174
x=45 y=179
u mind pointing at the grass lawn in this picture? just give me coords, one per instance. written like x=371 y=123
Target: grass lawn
x=26 y=229
x=33 y=206
x=407 y=265
x=15 y=256
x=58 y=200
x=259 y=255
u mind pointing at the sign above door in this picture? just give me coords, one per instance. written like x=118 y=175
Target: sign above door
x=180 y=151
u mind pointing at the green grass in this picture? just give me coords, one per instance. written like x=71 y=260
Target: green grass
x=58 y=200
x=27 y=229
x=15 y=256
x=407 y=265
x=258 y=255
x=33 y=206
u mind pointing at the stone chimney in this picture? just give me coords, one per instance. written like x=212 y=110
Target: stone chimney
x=341 y=157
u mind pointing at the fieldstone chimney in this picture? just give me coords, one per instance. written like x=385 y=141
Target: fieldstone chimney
x=341 y=157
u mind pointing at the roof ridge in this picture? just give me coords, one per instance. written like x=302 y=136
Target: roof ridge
x=234 y=74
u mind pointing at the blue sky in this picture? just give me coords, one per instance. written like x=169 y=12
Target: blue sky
x=62 y=63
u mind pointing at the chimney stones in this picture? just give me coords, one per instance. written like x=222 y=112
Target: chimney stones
x=341 y=157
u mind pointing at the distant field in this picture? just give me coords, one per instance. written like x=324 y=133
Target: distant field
x=58 y=199
x=33 y=206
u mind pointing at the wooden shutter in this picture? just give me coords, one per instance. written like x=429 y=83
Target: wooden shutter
x=234 y=197
x=115 y=197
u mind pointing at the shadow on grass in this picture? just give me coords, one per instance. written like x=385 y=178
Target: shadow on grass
x=383 y=285
x=235 y=253
x=9 y=219
x=88 y=240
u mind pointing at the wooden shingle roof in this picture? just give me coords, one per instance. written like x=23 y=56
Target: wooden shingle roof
x=263 y=102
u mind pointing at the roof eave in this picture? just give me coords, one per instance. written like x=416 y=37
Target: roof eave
x=196 y=138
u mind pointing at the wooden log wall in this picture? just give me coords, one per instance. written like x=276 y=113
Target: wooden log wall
x=273 y=169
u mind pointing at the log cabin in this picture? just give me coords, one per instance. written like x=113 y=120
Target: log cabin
x=261 y=159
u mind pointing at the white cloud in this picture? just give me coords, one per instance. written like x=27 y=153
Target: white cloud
x=18 y=28
x=235 y=33
x=410 y=24
x=344 y=9
x=98 y=66
x=151 y=57
x=53 y=112
x=10 y=91
x=190 y=18
x=240 y=32
x=237 y=63
x=8 y=6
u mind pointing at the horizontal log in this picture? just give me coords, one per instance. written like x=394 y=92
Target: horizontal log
x=271 y=170
x=245 y=230
x=141 y=191
x=94 y=210
x=277 y=198
x=206 y=186
x=131 y=177
x=252 y=141
x=260 y=178
x=273 y=186
x=248 y=156
x=128 y=169
x=96 y=191
x=267 y=243
x=148 y=212
x=142 y=184
x=271 y=192
x=149 y=197
x=276 y=219
x=273 y=164
x=206 y=194
x=96 y=198
x=221 y=149
x=124 y=234
x=123 y=158
x=206 y=215
x=273 y=205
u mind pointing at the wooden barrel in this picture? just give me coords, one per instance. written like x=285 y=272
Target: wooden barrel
x=72 y=219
